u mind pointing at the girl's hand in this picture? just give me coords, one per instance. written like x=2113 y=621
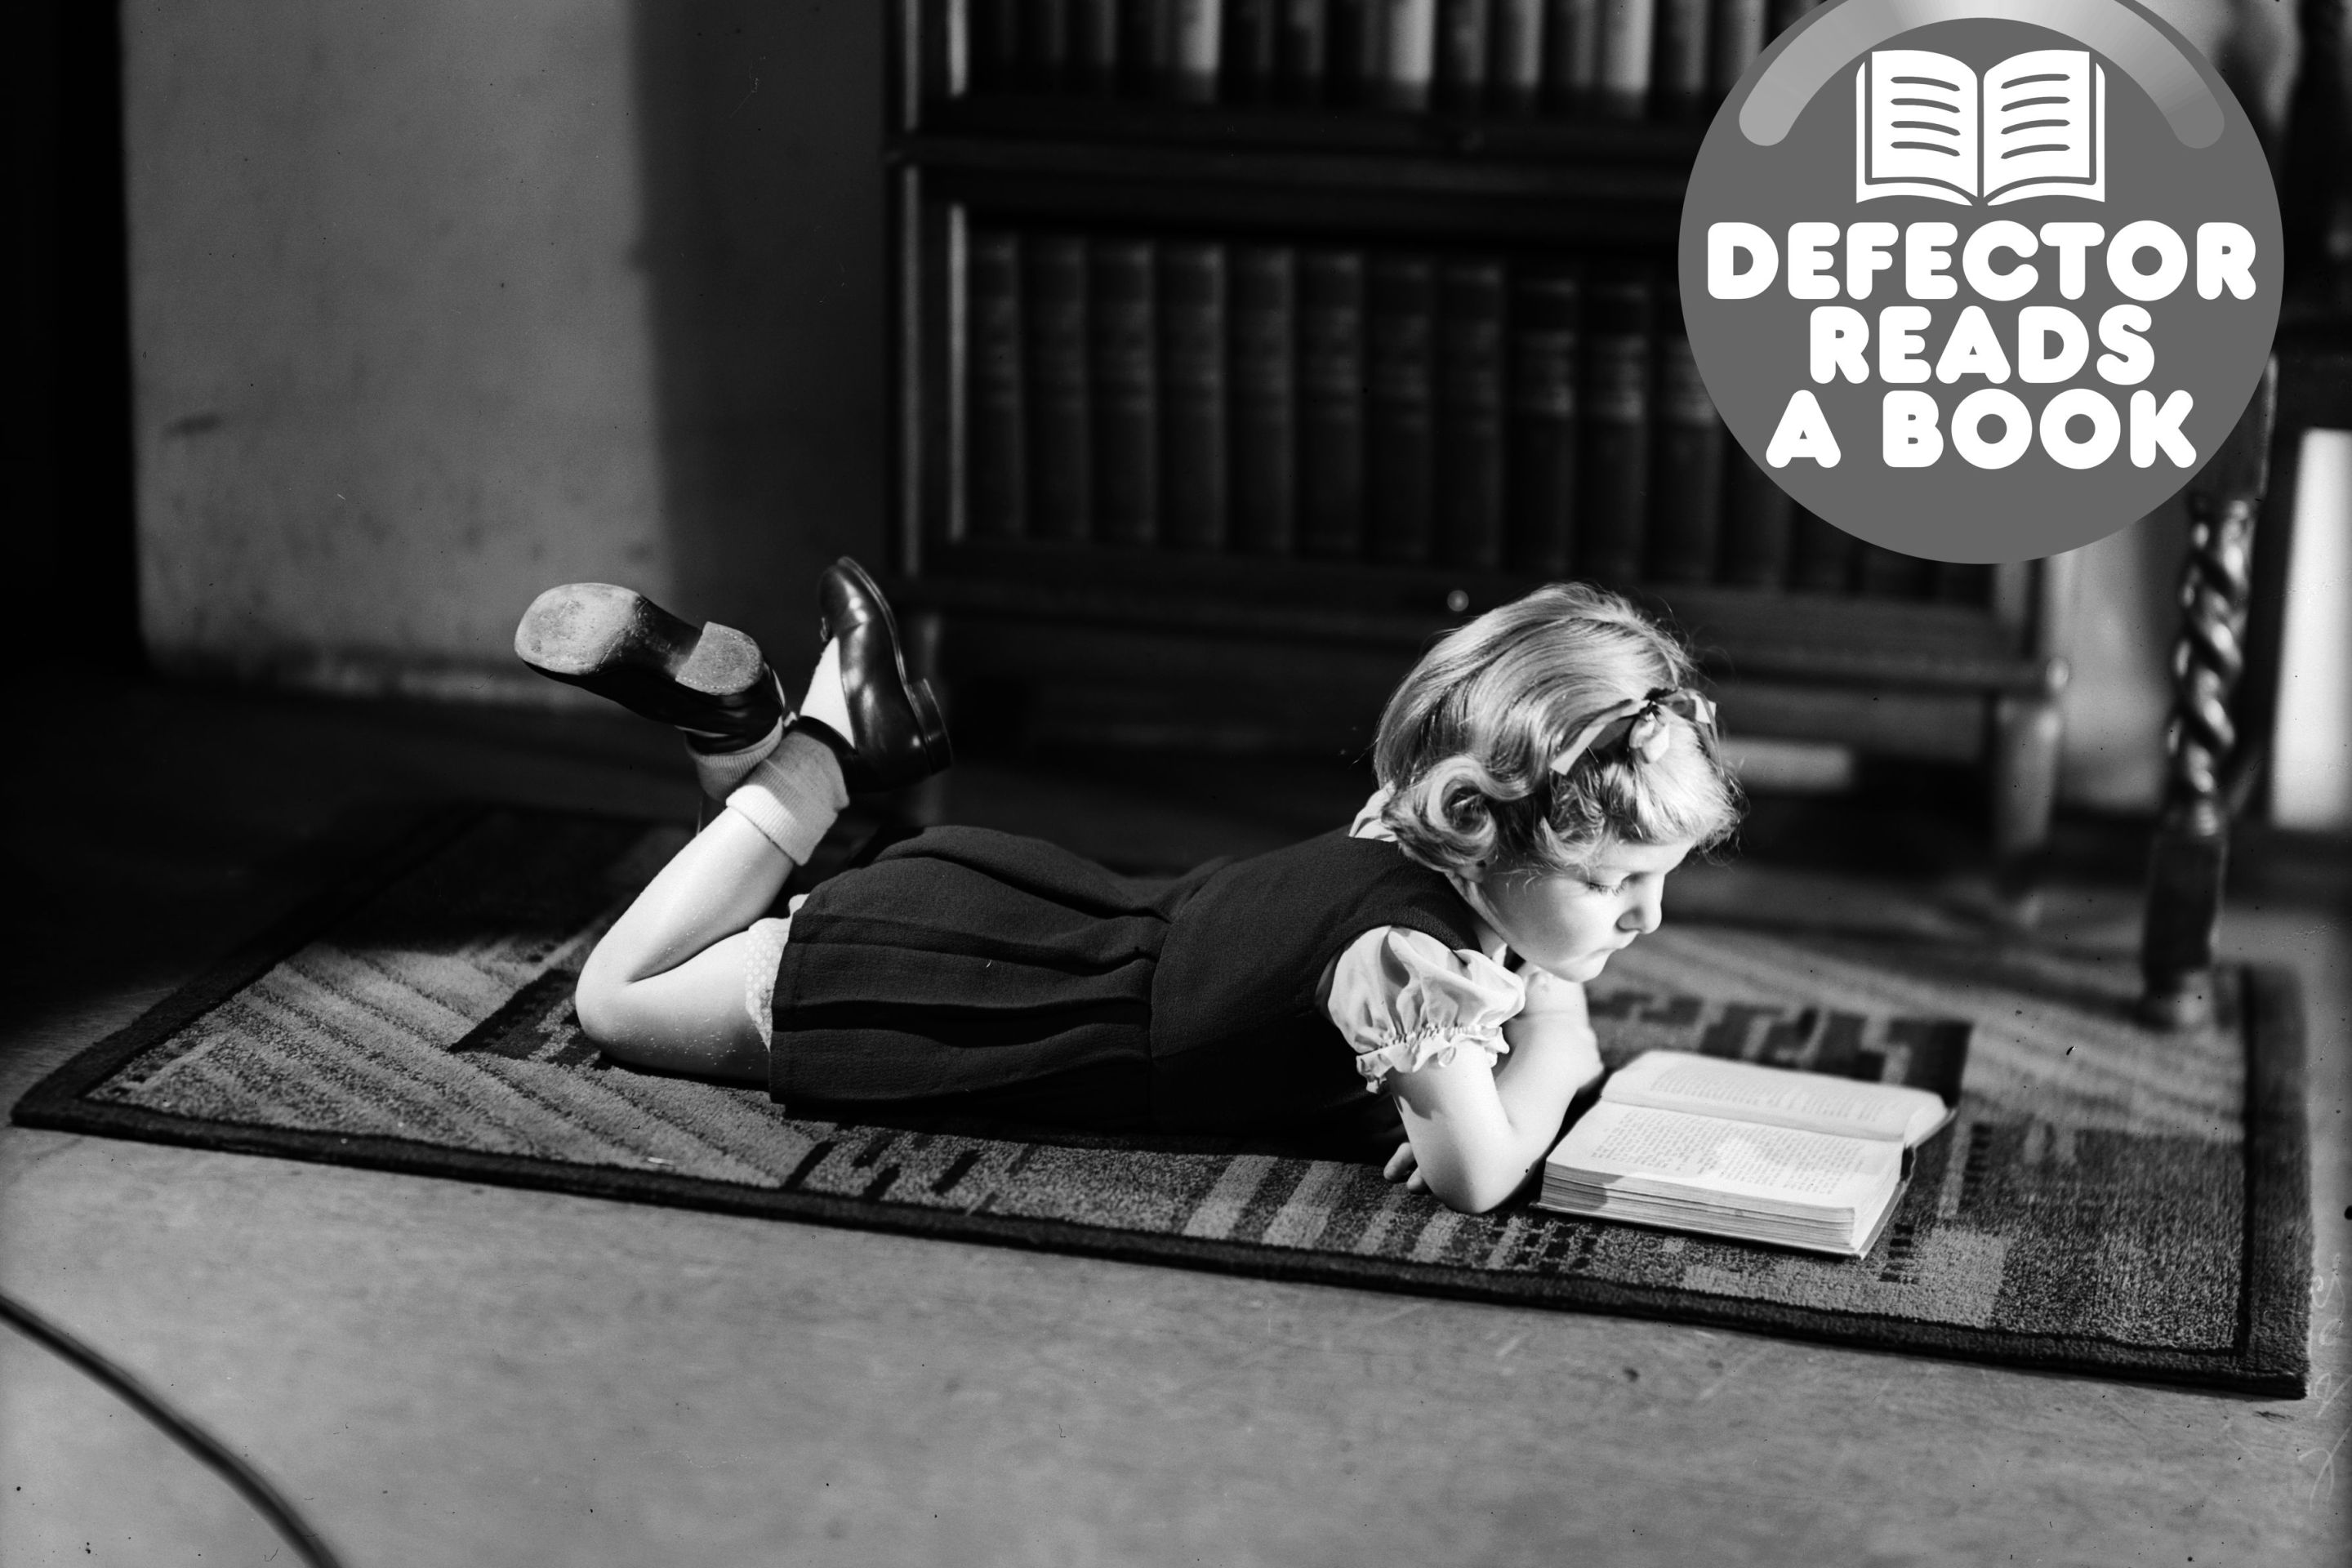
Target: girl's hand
x=1403 y=1167
x=1550 y=996
x=1557 y=1023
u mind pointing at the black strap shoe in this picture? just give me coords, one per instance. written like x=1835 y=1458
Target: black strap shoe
x=896 y=734
x=708 y=680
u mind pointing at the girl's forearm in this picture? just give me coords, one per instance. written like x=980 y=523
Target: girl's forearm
x=1476 y=1134
x=1550 y=1059
x=1477 y=1131
x=1552 y=1056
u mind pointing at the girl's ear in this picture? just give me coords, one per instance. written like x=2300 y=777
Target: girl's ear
x=1475 y=872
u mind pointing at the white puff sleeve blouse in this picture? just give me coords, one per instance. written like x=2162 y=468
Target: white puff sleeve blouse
x=1403 y=1000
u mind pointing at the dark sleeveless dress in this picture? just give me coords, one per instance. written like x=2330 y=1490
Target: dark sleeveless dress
x=966 y=971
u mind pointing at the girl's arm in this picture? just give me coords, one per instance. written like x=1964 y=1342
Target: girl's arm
x=1473 y=1134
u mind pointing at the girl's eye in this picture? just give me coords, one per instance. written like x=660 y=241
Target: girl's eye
x=1610 y=888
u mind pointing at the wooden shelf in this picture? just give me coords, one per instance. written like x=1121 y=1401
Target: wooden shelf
x=1739 y=633
x=1271 y=128
x=1567 y=203
x=1575 y=181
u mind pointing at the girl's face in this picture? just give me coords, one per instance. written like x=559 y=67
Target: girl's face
x=1570 y=922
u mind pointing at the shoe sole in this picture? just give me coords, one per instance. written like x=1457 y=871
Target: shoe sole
x=930 y=726
x=619 y=644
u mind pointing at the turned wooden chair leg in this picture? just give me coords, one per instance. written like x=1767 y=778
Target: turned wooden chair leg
x=2189 y=861
x=2026 y=733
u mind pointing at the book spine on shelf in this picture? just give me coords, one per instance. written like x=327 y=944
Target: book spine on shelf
x=1515 y=70
x=1061 y=439
x=1252 y=50
x=1733 y=40
x=996 y=426
x=1680 y=69
x=1046 y=44
x=1408 y=52
x=1331 y=403
x=1571 y=47
x=1756 y=517
x=1545 y=311
x=1352 y=50
x=1195 y=32
x=1299 y=59
x=996 y=44
x=1143 y=56
x=1192 y=288
x=1882 y=573
x=1628 y=40
x=1616 y=446
x=1094 y=45
x=1399 y=435
x=1787 y=13
x=1464 y=42
x=1470 y=413
x=1126 y=391
x=1686 y=469
x=1820 y=556
x=1263 y=378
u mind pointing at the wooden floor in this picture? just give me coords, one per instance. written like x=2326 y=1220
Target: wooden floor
x=441 y=1373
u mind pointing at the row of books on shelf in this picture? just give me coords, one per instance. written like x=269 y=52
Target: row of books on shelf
x=1530 y=414
x=1619 y=59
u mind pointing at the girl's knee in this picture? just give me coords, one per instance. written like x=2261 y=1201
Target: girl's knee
x=672 y=1022
x=596 y=1000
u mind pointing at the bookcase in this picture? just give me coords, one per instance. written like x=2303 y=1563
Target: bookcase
x=1222 y=383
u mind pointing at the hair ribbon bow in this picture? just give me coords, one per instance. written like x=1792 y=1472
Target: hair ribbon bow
x=1639 y=722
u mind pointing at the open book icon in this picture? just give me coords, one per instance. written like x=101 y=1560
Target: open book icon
x=2035 y=126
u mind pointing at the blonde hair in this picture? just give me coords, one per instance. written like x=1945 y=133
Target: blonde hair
x=1468 y=742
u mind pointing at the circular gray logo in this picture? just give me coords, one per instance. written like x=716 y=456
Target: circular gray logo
x=1976 y=287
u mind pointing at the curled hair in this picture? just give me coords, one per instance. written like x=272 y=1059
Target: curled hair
x=1467 y=741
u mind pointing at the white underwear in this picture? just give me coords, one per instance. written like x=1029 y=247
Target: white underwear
x=762 y=954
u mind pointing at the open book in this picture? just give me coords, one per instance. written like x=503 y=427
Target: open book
x=1925 y=126
x=1727 y=1148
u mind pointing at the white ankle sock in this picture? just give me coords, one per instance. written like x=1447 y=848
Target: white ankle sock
x=792 y=794
x=825 y=702
x=719 y=772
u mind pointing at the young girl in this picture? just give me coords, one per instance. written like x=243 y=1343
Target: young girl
x=1421 y=974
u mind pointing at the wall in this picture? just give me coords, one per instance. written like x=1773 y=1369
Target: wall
x=437 y=303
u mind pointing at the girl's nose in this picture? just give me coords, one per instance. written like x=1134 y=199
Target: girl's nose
x=1646 y=911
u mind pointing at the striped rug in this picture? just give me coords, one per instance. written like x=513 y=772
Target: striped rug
x=2109 y=1200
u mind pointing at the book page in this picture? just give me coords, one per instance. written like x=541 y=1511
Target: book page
x=1916 y=126
x=1774 y=1168
x=1710 y=1085
x=2045 y=127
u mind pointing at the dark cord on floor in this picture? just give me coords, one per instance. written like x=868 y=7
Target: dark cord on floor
x=249 y=1483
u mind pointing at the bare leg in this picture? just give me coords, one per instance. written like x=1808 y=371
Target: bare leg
x=665 y=988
